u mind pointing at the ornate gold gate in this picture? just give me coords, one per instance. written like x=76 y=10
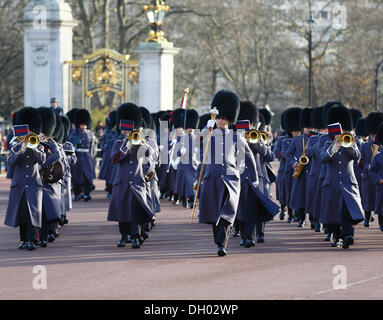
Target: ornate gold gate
x=103 y=71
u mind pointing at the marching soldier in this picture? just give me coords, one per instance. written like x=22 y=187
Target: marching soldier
x=129 y=205
x=293 y=129
x=220 y=188
x=367 y=149
x=51 y=191
x=255 y=207
x=376 y=174
x=26 y=195
x=279 y=183
x=296 y=153
x=189 y=161
x=84 y=142
x=319 y=125
x=341 y=201
x=69 y=159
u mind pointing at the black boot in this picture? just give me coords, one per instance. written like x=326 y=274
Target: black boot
x=290 y=214
x=31 y=246
x=367 y=217
x=122 y=242
x=136 y=243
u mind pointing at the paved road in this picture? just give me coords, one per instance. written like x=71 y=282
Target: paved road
x=179 y=261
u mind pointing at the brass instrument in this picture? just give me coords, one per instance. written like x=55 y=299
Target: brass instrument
x=265 y=136
x=31 y=141
x=303 y=160
x=346 y=140
x=253 y=136
x=135 y=137
x=374 y=150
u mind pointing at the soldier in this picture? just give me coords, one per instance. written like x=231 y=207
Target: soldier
x=296 y=150
x=84 y=142
x=255 y=207
x=279 y=183
x=26 y=195
x=51 y=191
x=317 y=207
x=369 y=187
x=319 y=126
x=293 y=129
x=220 y=188
x=69 y=159
x=153 y=191
x=376 y=175
x=342 y=206
x=187 y=173
x=129 y=205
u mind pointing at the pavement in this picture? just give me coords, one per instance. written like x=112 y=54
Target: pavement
x=179 y=261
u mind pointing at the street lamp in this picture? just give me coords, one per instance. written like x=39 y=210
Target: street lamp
x=155 y=12
x=376 y=83
x=310 y=98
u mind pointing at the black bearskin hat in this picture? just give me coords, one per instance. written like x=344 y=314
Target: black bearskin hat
x=31 y=117
x=262 y=122
x=66 y=128
x=58 y=128
x=292 y=119
x=129 y=111
x=356 y=115
x=166 y=116
x=361 y=129
x=112 y=119
x=71 y=114
x=248 y=111
x=326 y=107
x=48 y=118
x=227 y=104
x=266 y=115
x=178 y=119
x=339 y=113
x=372 y=122
x=317 y=119
x=379 y=134
x=283 y=120
x=192 y=119
x=83 y=117
x=305 y=118
x=147 y=117
x=203 y=120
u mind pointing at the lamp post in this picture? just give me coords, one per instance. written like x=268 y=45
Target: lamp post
x=155 y=12
x=376 y=83
x=310 y=98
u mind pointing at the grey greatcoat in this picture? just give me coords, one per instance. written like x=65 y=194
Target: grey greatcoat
x=84 y=142
x=340 y=186
x=70 y=159
x=187 y=168
x=298 y=190
x=287 y=172
x=279 y=183
x=313 y=175
x=130 y=182
x=376 y=174
x=317 y=207
x=52 y=191
x=368 y=186
x=26 y=179
x=220 y=188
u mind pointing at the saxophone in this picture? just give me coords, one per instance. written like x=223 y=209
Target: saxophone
x=374 y=149
x=303 y=160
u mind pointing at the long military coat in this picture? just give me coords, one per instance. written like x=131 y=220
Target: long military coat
x=376 y=174
x=130 y=182
x=26 y=179
x=340 y=186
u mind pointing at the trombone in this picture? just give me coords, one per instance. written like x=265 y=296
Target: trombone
x=346 y=140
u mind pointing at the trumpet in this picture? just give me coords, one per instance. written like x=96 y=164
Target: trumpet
x=134 y=138
x=255 y=136
x=31 y=141
x=346 y=140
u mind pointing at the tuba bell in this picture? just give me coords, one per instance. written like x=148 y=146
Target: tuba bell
x=253 y=136
x=135 y=137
